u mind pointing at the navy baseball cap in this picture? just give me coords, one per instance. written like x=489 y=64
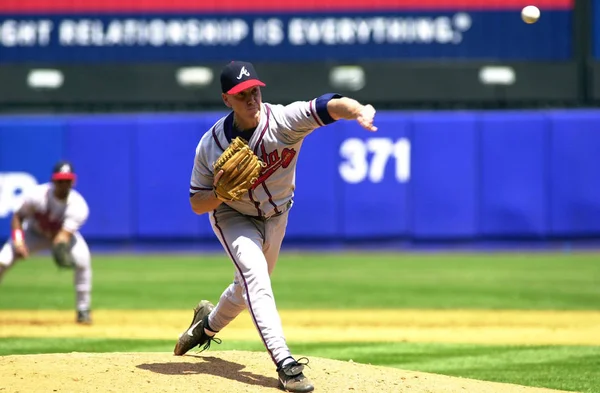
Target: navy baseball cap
x=63 y=170
x=237 y=76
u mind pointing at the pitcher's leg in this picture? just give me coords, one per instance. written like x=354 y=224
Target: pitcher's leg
x=289 y=369
x=230 y=305
x=243 y=243
x=274 y=234
x=82 y=278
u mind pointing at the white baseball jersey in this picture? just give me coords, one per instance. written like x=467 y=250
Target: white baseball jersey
x=276 y=140
x=46 y=215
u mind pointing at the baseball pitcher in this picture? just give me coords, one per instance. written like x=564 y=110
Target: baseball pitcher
x=49 y=219
x=244 y=177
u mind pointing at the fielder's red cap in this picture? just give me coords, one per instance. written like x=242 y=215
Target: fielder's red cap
x=63 y=170
x=237 y=76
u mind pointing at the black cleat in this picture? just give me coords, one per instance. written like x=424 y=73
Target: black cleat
x=84 y=317
x=291 y=378
x=195 y=335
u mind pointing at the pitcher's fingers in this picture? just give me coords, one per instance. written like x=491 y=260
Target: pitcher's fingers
x=218 y=177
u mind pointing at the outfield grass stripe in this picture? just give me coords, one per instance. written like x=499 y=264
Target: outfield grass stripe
x=450 y=326
x=433 y=281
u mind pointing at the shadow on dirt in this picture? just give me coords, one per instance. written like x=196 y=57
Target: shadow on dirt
x=213 y=366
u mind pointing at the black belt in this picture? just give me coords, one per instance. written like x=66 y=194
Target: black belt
x=263 y=218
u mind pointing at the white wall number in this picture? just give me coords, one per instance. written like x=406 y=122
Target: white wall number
x=12 y=186
x=368 y=159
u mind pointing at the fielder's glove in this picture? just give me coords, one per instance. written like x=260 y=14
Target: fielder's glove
x=62 y=256
x=241 y=168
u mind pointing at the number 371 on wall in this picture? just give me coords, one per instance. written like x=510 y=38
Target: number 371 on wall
x=367 y=159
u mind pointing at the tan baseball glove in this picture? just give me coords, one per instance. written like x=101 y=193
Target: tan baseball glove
x=241 y=168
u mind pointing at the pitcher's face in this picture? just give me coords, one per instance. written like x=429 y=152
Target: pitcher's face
x=246 y=105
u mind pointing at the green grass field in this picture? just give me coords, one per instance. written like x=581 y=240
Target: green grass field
x=528 y=281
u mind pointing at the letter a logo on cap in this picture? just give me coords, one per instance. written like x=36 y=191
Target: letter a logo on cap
x=243 y=72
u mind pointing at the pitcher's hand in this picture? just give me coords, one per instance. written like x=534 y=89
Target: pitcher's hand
x=366 y=117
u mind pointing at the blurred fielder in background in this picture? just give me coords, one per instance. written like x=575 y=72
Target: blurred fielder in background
x=49 y=219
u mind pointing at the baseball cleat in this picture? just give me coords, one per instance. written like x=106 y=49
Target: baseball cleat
x=195 y=335
x=291 y=378
x=84 y=317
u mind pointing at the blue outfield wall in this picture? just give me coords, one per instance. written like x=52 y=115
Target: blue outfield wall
x=422 y=176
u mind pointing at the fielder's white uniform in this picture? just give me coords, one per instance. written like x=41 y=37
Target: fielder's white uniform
x=43 y=217
x=252 y=229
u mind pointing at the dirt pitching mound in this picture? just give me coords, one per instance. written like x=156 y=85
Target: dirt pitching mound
x=216 y=372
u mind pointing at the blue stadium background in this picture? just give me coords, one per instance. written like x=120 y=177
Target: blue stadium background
x=427 y=175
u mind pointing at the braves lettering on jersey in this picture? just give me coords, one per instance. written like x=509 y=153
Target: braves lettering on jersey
x=46 y=215
x=276 y=140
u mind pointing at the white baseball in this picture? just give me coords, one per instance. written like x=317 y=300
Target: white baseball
x=530 y=14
